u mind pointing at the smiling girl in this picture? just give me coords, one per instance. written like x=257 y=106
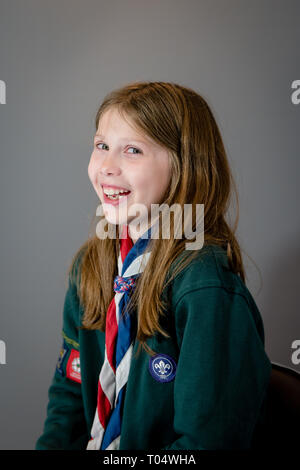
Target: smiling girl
x=163 y=346
x=131 y=162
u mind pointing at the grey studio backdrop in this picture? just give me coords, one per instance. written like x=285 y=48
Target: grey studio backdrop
x=58 y=59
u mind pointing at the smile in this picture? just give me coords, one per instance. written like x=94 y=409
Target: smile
x=114 y=197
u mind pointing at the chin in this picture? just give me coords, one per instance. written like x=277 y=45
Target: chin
x=114 y=219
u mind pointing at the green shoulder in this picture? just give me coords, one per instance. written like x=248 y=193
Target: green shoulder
x=72 y=312
x=208 y=268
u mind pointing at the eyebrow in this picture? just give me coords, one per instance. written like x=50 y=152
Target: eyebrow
x=125 y=138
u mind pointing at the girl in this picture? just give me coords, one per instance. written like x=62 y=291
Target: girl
x=163 y=345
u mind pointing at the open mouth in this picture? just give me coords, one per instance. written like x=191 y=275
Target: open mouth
x=115 y=197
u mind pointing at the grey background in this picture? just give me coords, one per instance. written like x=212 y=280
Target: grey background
x=59 y=58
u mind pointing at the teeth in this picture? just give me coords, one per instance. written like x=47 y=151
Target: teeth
x=112 y=192
x=116 y=196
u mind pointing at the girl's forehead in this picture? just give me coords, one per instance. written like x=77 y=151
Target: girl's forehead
x=114 y=114
x=112 y=121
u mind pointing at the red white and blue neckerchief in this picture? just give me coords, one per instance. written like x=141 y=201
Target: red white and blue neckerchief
x=119 y=338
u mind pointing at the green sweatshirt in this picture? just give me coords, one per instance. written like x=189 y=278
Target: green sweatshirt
x=215 y=397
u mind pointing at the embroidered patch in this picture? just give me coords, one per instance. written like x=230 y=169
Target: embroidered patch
x=73 y=366
x=162 y=367
x=63 y=352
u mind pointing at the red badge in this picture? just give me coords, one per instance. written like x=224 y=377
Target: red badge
x=73 y=366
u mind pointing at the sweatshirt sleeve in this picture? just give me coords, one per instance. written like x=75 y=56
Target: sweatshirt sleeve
x=65 y=426
x=222 y=372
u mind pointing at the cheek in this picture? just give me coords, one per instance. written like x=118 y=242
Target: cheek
x=142 y=182
x=152 y=183
x=167 y=173
x=161 y=176
x=92 y=169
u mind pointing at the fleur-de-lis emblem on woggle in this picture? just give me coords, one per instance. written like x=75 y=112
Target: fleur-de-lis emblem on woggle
x=162 y=367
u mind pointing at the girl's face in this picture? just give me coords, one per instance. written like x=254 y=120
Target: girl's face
x=125 y=158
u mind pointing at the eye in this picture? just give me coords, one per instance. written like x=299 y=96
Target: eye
x=134 y=148
x=99 y=143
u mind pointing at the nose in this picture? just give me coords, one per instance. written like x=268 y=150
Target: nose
x=109 y=166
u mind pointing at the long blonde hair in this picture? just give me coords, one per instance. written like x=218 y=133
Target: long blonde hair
x=180 y=120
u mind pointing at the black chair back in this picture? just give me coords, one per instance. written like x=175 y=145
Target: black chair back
x=281 y=429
